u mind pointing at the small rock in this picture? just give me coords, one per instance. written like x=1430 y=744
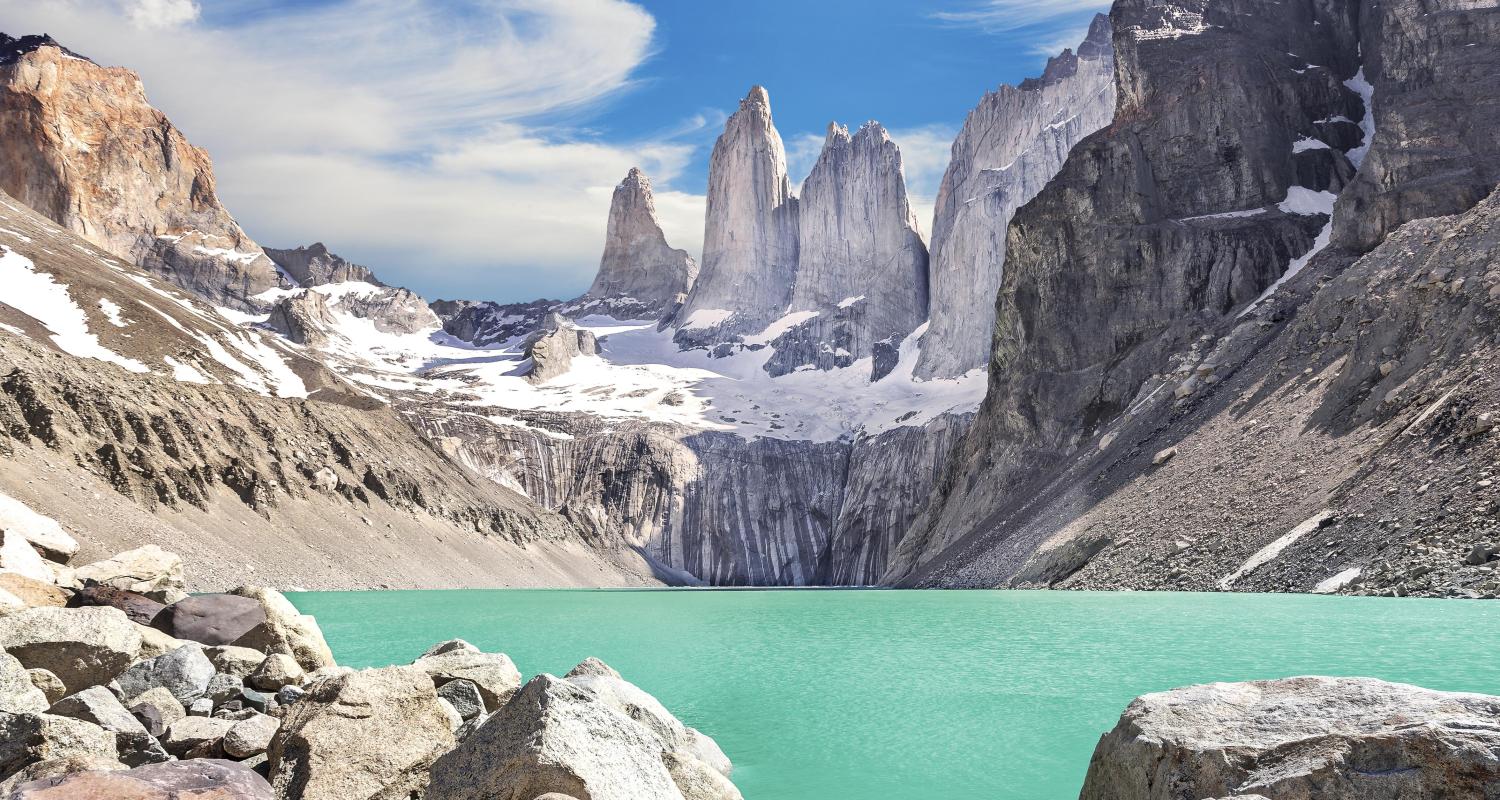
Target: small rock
x=51 y=685
x=251 y=736
x=1479 y=554
x=287 y=695
x=190 y=732
x=276 y=671
x=464 y=696
x=222 y=688
x=234 y=660
x=157 y=709
x=202 y=707
x=256 y=700
x=1164 y=456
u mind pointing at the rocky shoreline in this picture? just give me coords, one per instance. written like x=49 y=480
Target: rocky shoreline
x=114 y=682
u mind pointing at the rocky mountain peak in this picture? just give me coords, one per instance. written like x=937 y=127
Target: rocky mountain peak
x=12 y=48
x=640 y=275
x=83 y=147
x=315 y=265
x=750 y=231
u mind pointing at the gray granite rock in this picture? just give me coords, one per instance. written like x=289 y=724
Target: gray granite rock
x=185 y=672
x=18 y=694
x=134 y=743
x=82 y=646
x=314 y=265
x=640 y=275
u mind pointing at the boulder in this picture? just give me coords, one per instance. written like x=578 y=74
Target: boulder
x=199 y=779
x=233 y=660
x=156 y=643
x=275 y=671
x=287 y=695
x=29 y=738
x=202 y=707
x=82 y=646
x=135 y=745
x=18 y=694
x=212 y=619
x=190 y=733
x=1308 y=738
x=251 y=736
x=138 y=607
x=9 y=603
x=260 y=701
x=556 y=736
x=455 y=721
x=697 y=780
x=285 y=630
x=358 y=735
x=449 y=646
x=51 y=685
x=156 y=710
x=493 y=674
x=185 y=672
x=464 y=696
x=222 y=688
x=56 y=768
x=43 y=533
x=31 y=591
x=635 y=703
x=18 y=556
x=148 y=570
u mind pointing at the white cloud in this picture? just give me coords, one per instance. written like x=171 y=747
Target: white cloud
x=160 y=13
x=998 y=16
x=1053 y=44
x=405 y=137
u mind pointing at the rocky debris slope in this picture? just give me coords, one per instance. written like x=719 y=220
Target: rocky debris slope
x=314 y=265
x=861 y=282
x=640 y=275
x=1089 y=389
x=1307 y=738
x=237 y=696
x=750 y=232
x=85 y=149
x=1010 y=146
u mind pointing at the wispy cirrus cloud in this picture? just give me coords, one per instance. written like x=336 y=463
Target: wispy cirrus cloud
x=1000 y=16
x=435 y=141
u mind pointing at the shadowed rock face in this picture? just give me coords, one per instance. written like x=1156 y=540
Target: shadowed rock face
x=314 y=265
x=640 y=275
x=85 y=148
x=861 y=265
x=750 y=232
x=1157 y=228
x=1012 y=143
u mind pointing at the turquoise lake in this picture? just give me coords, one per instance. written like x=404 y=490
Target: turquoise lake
x=834 y=694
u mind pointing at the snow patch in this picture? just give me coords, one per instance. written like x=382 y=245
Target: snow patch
x=706 y=318
x=1302 y=200
x=780 y=326
x=1271 y=551
x=112 y=312
x=187 y=373
x=1308 y=143
x=849 y=301
x=1337 y=582
x=1361 y=86
x=38 y=296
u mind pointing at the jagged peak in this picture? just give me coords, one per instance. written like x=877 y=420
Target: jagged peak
x=836 y=132
x=757 y=95
x=636 y=178
x=1097 y=44
x=13 y=48
x=872 y=129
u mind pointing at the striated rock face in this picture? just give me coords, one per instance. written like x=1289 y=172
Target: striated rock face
x=1158 y=228
x=313 y=265
x=861 y=265
x=1436 y=150
x=553 y=348
x=84 y=147
x=640 y=275
x=1012 y=143
x=1308 y=738
x=750 y=233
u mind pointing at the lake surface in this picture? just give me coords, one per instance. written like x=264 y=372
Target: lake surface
x=827 y=695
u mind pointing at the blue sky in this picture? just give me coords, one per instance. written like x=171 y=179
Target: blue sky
x=468 y=147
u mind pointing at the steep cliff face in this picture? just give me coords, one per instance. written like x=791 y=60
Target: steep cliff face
x=861 y=281
x=1162 y=225
x=640 y=275
x=314 y=265
x=749 y=234
x=1187 y=382
x=1012 y=143
x=85 y=148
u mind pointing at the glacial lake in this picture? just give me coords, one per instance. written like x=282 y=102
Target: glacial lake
x=854 y=694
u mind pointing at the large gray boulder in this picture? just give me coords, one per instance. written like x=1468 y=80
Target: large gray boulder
x=18 y=693
x=82 y=646
x=286 y=630
x=42 y=532
x=148 y=570
x=19 y=557
x=1308 y=738
x=557 y=736
x=27 y=739
x=205 y=778
x=191 y=734
x=367 y=734
x=637 y=704
x=185 y=672
x=493 y=674
x=96 y=704
x=211 y=619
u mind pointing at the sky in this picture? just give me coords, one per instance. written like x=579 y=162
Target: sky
x=469 y=148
